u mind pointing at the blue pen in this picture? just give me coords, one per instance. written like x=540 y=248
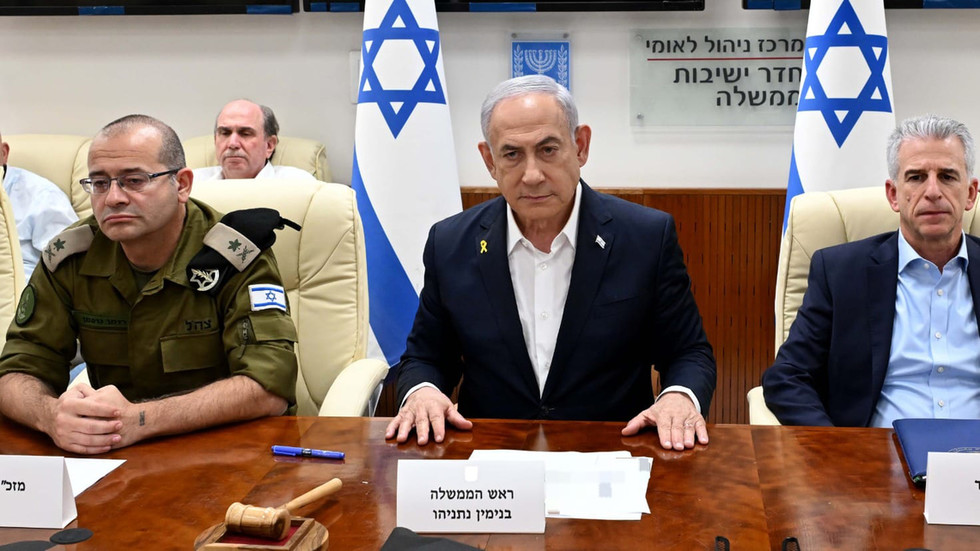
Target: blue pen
x=292 y=451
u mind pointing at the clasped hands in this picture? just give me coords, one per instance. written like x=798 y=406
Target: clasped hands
x=89 y=421
x=427 y=410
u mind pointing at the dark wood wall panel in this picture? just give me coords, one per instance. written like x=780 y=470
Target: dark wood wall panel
x=730 y=240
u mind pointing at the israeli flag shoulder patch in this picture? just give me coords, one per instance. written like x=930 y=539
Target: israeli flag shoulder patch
x=266 y=295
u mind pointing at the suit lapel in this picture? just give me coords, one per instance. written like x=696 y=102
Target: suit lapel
x=882 y=284
x=590 y=262
x=973 y=273
x=490 y=246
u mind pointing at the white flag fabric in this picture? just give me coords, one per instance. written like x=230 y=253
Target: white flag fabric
x=846 y=109
x=404 y=170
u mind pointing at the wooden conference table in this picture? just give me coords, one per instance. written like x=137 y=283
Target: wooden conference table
x=830 y=488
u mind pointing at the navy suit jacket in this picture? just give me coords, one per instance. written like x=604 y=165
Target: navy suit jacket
x=629 y=306
x=832 y=366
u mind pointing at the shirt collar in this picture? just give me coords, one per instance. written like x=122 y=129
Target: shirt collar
x=266 y=172
x=906 y=254
x=514 y=235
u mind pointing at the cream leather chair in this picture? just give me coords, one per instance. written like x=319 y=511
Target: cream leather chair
x=309 y=155
x=324 y=272
x=11 y=266
x=818 y=220
x=61 y=158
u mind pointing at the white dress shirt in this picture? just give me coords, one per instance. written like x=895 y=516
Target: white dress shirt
x=541 y=286
x=268 y=171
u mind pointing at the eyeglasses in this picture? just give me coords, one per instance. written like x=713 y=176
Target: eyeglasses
x=133 y=182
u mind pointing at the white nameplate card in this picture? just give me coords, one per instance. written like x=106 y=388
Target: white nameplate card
x=35 y=492
x=953 y=488
x=471 y=496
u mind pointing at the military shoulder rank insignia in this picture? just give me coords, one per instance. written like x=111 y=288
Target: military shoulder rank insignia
x=230 y=243
x=69 y=242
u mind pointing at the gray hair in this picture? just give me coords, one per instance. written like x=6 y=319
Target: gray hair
x=531 y=84
x=934 y=127
x=270 y=126
x=171 y=152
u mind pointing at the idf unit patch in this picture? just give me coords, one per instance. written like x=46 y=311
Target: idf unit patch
x=266 y=296
x=25 y=308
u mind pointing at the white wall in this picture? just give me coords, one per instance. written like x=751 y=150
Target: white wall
x=74 y=74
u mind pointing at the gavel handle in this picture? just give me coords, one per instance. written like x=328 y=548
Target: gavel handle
x=321 y=491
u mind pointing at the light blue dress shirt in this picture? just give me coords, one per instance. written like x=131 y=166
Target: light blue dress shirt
x=41 y=211
x=934 y=362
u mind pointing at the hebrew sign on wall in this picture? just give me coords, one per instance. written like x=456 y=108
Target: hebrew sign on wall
x=715 y=77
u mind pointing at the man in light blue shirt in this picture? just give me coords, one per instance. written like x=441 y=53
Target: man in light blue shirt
x=41 y=209
x=888 y=326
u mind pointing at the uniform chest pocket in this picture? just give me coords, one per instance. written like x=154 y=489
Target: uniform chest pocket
x=192 y=352
x=104 y=338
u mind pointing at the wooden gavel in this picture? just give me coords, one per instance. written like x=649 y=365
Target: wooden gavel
x=273 y=522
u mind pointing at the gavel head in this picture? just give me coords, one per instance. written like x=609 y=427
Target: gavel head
x=260 y=522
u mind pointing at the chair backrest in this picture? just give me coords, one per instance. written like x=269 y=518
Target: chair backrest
x=11 y=266
x=309 y=155
x=821 y=219
x=323 y=269
x=61 y=158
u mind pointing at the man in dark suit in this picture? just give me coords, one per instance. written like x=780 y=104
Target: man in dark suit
x=888 y=325
x=553 y=301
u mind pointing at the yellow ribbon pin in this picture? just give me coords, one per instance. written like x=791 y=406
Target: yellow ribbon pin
x=483 y=246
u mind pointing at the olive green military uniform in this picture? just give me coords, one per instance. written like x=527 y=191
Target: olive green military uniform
x=166 y=338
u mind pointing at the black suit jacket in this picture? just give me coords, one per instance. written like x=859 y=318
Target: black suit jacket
x=629 y=306
x=832 y=366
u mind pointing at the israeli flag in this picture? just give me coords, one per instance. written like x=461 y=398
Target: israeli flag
x=846 y=109
x=264 y=297
x=404 y=172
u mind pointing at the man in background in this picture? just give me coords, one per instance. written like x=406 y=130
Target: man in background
x=41 y=209
x=245 y=137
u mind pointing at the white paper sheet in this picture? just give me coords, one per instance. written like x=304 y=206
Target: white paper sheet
x=84 y=472
x=597 y=485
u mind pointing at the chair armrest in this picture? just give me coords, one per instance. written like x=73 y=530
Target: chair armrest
x=351 y=391
x=759 y=414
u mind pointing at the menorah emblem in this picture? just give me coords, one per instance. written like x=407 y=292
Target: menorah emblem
x=542 y=58
x=541 y=61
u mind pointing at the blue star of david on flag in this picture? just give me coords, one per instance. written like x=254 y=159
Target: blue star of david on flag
x=396 y=106
x=845 y=31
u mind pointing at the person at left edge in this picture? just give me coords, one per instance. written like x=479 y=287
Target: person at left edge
x=166 y=351
x=554 y=300
x=41 y=209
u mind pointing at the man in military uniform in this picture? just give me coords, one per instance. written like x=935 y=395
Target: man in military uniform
x=181 y=315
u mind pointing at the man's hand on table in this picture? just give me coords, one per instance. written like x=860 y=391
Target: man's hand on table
x=676 y=419
x=84 y=425
x=426 y=410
